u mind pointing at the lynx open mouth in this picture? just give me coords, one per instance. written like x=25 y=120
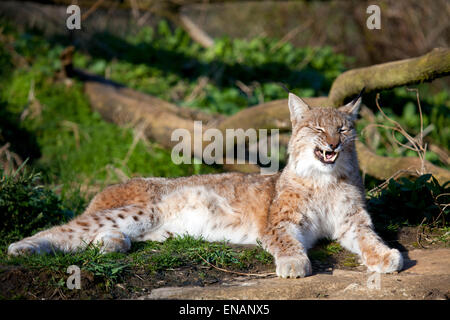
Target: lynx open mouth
x=327 y=157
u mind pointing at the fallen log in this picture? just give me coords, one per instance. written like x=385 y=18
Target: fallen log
x=270 y=115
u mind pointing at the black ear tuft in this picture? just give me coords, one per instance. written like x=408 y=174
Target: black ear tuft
x=284 y=87
x=360 y=94
x=352 y=107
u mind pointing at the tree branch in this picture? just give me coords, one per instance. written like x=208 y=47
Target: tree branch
x=384 y=167
x=434 y=64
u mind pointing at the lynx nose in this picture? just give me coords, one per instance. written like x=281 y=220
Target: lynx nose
x=333 y=142
x=334 y=146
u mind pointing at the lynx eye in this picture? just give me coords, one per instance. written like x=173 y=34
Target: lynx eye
x=343 y=129
x=318 y=129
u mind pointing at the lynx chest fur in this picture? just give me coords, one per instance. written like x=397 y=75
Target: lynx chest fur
x=318 y=194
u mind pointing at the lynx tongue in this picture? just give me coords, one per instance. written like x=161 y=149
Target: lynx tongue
x=326 y=156
x=330 y=156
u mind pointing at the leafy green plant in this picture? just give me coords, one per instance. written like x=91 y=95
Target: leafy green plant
x=410 y=202
x=27 y=206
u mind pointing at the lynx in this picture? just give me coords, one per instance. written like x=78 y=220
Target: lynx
x=318 y=194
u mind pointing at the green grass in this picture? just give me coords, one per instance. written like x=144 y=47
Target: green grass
x=324 y=250
x=187 y=250
x=351 y=261
x=108 y=268
x=149 y=256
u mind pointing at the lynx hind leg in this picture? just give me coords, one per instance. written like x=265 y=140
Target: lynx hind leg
x=60 y=238
x=114 y=218
x=375 y=255
x=113 y=241
x=71 y=237
x=112 y=230
x=29 y=246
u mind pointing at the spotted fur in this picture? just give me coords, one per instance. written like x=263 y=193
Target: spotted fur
x=319 y=194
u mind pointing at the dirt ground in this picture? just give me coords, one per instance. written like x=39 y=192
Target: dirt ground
x=426 y=275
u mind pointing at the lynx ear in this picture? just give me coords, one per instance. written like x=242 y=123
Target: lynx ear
x=297 y=107
x=352 y=108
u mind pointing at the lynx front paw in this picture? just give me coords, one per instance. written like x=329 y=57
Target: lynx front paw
x=389 y=262
x=27 y=247
x=293 y=267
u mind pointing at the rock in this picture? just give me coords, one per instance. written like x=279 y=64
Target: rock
x=426 y=276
